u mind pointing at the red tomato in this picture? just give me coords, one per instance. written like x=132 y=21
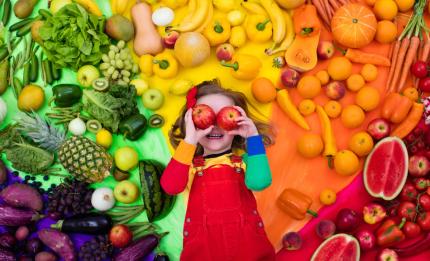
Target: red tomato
x=407 y=210
x=424 y=202
x=411 y=229
x=409 y=193
x=419 y=69
x=421 y=184
x=424 y=220
x=424 y=84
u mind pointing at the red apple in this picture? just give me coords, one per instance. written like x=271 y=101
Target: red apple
x=203 y=116
x=224 y=52
x=170 y=39
x=366 y=238
x=325 y=50
x=379 y=128
x=227 y=118
x=120 y=236
x=419 y=166
x=388 y=255
x=290 y=77
x=335 y=90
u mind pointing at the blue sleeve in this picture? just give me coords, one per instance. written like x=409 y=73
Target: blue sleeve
x=258 y=175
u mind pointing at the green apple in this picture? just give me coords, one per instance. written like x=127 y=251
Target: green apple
x=58 y=4
x=153 y=99
x=126 y=192
x=87 y=74
x=126 y=158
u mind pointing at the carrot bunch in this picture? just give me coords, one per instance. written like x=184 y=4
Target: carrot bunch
x=327 y=8
x=406 y=49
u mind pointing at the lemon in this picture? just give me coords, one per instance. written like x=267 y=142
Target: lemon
x=126 y=158
x=104 y=138
x=141 y=86
x=236 y=17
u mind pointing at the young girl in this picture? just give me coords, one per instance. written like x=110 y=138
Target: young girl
x=221 y=222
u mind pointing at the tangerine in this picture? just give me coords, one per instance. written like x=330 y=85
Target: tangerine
x=346 y=163
x=369 y=72
x=309 y=86
x=306 y=107
x=263 y=90
x=355 y=82
x=352 y=116
x=361 y=143
x=327 y=196
x=367 y=98
x=339 y=68
x=333 y=108
x=310 y=145
x=411 y=93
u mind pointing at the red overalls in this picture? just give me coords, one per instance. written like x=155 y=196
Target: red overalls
x=222 y=222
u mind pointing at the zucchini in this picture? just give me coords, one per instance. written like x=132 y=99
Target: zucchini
x=157 y=203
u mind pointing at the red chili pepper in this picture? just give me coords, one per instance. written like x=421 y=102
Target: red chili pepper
x=411 y=229
x=424 y=220
x=424 y=201
x=421 y=184
x=389 y=233
x=409 y=192
x=407 y=210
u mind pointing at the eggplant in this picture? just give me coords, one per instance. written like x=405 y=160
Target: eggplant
x=14 y=217
x=6 y=255
x=415 y=248
x=138 y=249
x=22 y=196
x=93 y=224
x=59 y=242
x=161 y=257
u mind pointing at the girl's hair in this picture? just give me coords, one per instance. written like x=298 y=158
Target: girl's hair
x=177 y=133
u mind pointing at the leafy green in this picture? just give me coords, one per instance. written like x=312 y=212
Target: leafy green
x=72 y=37
x=126 y=95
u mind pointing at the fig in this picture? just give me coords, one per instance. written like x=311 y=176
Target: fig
x=325 y=228
x=292 y=241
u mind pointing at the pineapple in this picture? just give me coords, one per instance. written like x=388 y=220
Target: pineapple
x=81 y=157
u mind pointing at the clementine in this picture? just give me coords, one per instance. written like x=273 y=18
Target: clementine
x=263 y=90
x=310 y=145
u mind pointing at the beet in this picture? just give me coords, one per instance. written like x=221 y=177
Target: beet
x=7 y=240
x=10 y=216
x=22 y=195
x=6 y=255
x=59 y=242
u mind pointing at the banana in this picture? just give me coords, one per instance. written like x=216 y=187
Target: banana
x=254 y=8
x=113 y=4
x=121 y=6
x=226 y=5
x=91 y=6
x=278 y=20
x=208 y=19
x=180 y=87
x=192 y=6
x=198 y=19
x=288 y=40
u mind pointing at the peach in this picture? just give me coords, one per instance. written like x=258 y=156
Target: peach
x=335 y=90
x=170 y=39
x=325 y=50
x=290 y=77
x=224 y=52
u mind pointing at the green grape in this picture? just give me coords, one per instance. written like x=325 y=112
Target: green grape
x=105 y=58
x=115 y=75
x=120 y=44
x=111 y=54
x=110 y=70
x=104 y=66
x=119 y=64
x=125 y=73
x=126 y=79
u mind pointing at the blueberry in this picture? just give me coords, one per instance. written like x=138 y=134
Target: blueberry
x=46 y=177
x=33 y=178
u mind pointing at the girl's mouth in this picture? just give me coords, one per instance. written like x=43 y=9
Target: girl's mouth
x=214 y=136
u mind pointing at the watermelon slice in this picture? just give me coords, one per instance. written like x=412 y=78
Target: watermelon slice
x=339 y=247
x=386 y=168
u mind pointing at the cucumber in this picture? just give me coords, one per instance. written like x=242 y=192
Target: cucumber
x=20 y=24
x=7 y=9
x=157 y=203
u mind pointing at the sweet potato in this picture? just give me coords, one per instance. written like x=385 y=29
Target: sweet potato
x=59 y=242
x=22 y=195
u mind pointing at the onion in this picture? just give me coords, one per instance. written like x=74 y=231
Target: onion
x=102 y=199
x=3 y=110
x=163 y=16
x=77 y=126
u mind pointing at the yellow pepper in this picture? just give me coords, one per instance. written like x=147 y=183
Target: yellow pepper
x=165 y=65
x=259 y=28
x=245 y=67
x=330 y=148
x=145 y=64
x=238 y=36
x=287 y=106
x=218 y=31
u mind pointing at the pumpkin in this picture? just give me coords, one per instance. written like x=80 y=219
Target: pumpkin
x=354 y=25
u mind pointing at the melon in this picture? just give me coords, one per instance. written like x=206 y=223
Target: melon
x=386 y=168
x=339 y=247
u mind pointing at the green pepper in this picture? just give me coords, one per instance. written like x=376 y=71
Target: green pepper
x=133 y=127
x=65 y=95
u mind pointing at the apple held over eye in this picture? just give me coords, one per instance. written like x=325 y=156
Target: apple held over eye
x=203 y=116
x=87 y=74
x=120 y=236
x=227 y=118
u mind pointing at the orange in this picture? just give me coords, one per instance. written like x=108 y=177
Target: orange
x=386 y=32
x=306 y=107
x=367 y=98
x=352 y=116
x=361 y=143
x=333 y=108
x=369 y=72
x=405 y=5
x=309 y=87
x=385 y=9
x=263 y=90
x=339 y=68
x=327 y=196
x=411 y=93
x=346 y=163
x=323 y=77
x=310 y=145
x=355 y=82
x=31 y=98
x=370 y=2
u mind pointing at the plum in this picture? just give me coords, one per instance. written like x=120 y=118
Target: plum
x=347 y=220
x=292 y=241
x=325 y=228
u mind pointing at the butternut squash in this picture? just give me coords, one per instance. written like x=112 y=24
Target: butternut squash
x=302 y=54
x=147 y=39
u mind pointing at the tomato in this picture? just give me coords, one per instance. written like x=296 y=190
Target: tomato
x=407 y=210
x=419 y=69
x=424 y=220
x=411 y=229
x=424 y=202
x=409 y=193
x=424 y=84
x=421 y=184
x=428 y=191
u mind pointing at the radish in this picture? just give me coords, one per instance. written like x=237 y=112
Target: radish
x=77 y=127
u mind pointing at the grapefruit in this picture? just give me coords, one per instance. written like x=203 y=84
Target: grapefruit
x=338 y=247
x=386 y=168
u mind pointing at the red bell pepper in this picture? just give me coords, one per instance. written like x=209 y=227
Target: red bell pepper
x=424 y=220
x=407 y=210
x=389 y=233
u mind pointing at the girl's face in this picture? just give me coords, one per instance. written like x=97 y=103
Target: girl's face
x=218 y=140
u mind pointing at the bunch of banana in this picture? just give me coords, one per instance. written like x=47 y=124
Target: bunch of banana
x=254 y=8
x=288 y=40
x=226 y=5
x=197 y=18
x=119 y=6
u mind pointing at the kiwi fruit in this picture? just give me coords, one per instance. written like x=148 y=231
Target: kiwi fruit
x=119 y=28
x=156 y=121
x=93 y=126
x=100 y=84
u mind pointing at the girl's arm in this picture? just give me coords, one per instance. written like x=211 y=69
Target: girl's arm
x=175 y=176
x=258 y=175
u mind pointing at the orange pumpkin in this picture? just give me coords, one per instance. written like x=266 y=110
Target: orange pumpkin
x=354 y=25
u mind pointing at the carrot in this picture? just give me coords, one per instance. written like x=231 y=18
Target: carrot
x=412 y=52
x=426 y=50
x=420 y=51
x=334 y=4
x=327 y=9
x=399 y=62
x=394 y=58
x=321 y=11
x=414 y=116
x=358 y=56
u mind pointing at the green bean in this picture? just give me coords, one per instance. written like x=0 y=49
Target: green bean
x=17 y=86
x=56 y=72
x=7 y=9
x=24 y=30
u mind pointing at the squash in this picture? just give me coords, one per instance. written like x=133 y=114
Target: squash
x=147 y=39
x=3 y=110
x=302 y=54
x=354 y=25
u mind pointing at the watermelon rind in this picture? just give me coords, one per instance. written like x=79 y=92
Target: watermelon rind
x=405 y=174
x=347 y=237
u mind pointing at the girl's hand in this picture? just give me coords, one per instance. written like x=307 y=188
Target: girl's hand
x=193 y=135
x=246 y=127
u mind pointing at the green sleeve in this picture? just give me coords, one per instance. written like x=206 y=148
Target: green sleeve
x=258 y=175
